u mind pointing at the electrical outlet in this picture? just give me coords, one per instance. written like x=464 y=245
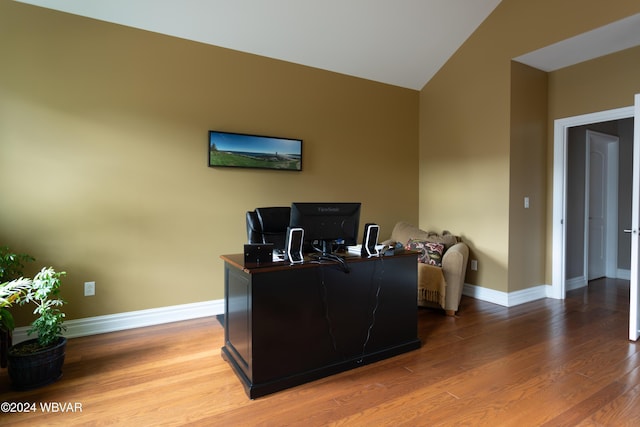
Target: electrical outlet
x=474 y=264
x=89 y=289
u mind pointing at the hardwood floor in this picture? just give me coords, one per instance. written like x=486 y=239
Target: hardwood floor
x=549 y=362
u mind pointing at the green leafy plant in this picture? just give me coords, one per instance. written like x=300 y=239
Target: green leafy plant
x=43 y=291
x=11 y=265
x=10 y=293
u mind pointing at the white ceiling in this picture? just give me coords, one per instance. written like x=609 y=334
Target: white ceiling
x=611 y=38
x=398 y=42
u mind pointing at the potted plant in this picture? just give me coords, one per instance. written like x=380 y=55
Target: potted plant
x=9 y=294
x=11 y=265
x=38 y=361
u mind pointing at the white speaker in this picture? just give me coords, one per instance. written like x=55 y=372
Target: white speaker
x=370 y=240
x=293 y=245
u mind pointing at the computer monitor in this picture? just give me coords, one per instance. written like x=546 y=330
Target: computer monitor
x=326 y=224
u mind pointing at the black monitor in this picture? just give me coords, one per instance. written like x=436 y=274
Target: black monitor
x=326 y=224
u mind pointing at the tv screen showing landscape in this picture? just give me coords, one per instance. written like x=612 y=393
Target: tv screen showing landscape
x=254 y=151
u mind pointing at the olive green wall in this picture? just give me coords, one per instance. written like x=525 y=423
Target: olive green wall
x=469 y=176
x=601 y=84
x=103 y=147
x=103 y=154
x=527 y=177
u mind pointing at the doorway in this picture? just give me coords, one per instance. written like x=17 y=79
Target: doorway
x=630 y=224
x=564 y=231
x=592 y=203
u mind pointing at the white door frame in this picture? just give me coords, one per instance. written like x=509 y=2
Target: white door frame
x=634 y=298
x=560 y=138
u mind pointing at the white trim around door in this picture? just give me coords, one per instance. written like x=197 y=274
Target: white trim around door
x=561 y=130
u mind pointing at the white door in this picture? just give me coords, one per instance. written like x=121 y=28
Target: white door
x=596 y=206
x=634 y=320
x=601 y=205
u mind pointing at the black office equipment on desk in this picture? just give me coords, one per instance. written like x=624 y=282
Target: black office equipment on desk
x=258 y=253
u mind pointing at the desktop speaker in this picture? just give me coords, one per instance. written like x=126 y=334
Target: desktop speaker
x=370 y=240
x=293 y=245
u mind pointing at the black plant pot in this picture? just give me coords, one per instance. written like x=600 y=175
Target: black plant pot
x=5 y=343
x=37 y=369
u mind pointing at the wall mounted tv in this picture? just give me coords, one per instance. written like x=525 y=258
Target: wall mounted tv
x=239 y=150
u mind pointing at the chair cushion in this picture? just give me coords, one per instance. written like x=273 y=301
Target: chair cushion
x=274 y=220
x=273 y=223
x=431 y=251
x=254 y=232
x=447 y=240
x=403 y=232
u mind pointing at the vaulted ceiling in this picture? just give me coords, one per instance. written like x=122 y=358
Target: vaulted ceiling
x=398 y=42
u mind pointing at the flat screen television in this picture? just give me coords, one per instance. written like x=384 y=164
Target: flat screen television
x=239 y=150
x=327 y=224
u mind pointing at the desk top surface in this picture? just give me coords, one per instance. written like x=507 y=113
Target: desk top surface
x=237 y=260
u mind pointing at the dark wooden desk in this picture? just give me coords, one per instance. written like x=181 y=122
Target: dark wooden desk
x=286 y=325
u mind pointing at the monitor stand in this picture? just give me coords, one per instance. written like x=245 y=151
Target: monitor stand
x=327 y=247
x=328 y=255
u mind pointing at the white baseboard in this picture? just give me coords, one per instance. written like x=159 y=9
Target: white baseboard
x=510 y=299
x=575 y=283
x=624 y=274
x=157 y=316
x=582 y=281
x=133 y=319
x=507 y=299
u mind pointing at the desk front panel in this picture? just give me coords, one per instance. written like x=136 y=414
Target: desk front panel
x=291 y=321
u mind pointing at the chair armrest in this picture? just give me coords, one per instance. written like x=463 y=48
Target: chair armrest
x=454 y=268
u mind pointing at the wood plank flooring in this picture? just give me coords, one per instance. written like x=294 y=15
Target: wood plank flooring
x=545 y=363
